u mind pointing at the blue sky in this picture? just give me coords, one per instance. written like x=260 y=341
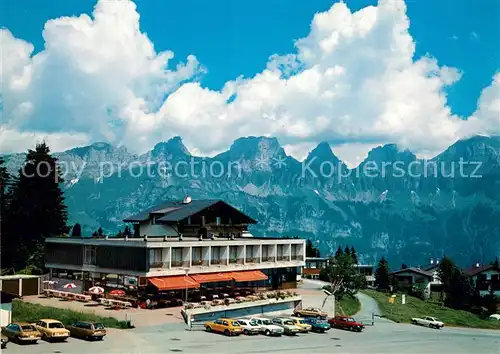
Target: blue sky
x=233 y=38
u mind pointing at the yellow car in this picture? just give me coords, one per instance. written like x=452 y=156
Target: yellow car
x=301 y=323
x=21 y=332
x=52 y=330
x=228 y=326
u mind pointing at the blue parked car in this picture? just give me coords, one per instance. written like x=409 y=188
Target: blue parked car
x=318 y=325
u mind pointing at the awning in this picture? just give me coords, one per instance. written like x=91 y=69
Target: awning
x=249 y=275
x=213 y=277
x=176 y=282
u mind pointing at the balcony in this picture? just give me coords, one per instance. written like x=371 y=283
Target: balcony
x=297 y=257
x=240 y=261
x=159 y=265
x=196 y=262
x=268 y=259
x=282 y=258
x=233 y=260
x=180 y=264
x=218 y=261
x=253 y=260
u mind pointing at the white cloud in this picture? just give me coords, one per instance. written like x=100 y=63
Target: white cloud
x=352 y=79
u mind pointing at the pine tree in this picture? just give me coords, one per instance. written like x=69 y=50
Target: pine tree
x=354 y=255
x=99 y=232
x=127 y=232
x=382 y=274
x=5 y=194
x=119 y=234
x=37 y=208
x=347 y=251
x=77 y=230
x=339 y=253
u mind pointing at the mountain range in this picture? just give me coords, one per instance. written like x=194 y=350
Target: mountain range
x=393 y=204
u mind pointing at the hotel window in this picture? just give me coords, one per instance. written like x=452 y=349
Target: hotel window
x=265 y=252
x=176 y=256
x=155 y=256
x=197 y=255
x=233 y=253
x=89 y=255
x=294 y=251
x=215 y=254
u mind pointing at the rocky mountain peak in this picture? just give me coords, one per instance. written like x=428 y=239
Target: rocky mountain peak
x=174 y=147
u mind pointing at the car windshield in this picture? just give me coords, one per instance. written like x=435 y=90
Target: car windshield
x=253 y=323
x=321 y=322
x=350 y=319
x=266 y=322
x=56 y=325
x=235 y=323
x=28 y=328
x=302 y=322
x=289 y=322
x=99 y=326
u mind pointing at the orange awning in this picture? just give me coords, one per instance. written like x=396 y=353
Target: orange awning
x=176 y=282
x=213 y=277
x=249 y=275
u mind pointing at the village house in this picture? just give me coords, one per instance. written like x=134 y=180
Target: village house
x=413 y=279
x=486 y=278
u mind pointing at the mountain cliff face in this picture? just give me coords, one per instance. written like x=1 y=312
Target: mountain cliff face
x=392 y=204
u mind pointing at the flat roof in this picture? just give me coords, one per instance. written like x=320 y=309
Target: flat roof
x=18 y=276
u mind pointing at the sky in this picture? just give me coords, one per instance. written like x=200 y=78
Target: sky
x=356 y=74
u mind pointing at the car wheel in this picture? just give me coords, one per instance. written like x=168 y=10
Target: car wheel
x=208 y=329
x=245 y=332
x=267 y=332
x=227 y=333
x=44 y=337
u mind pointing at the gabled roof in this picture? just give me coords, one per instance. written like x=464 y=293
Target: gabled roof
x=173 y=211
x=431 y=267
x=413 y=270
x=477 y=270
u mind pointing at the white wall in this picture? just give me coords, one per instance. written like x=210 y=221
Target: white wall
x=156 y=230
x=5 y=314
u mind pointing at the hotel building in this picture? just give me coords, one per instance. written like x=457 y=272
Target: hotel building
x=184 y=244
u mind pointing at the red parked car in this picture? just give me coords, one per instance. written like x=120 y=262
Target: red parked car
x=345 y=322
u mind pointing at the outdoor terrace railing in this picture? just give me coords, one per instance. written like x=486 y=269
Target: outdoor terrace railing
x=159 y=264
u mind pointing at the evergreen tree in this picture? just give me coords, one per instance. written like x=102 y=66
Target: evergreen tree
x=77 y=230
x=447 y=273
x=5 y=194
x=343 y=270
x=496 y=264
x=354 y=255
x=119 y=234
x=94 y=234
x=339 y=253
x=99 y=232
x=347 y=251
x=382 y=274
x=404 y=266
x=311 y=250
x=37 y=208
x=127 y=232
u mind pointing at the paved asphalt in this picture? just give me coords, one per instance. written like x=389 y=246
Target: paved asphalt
x=383 y=337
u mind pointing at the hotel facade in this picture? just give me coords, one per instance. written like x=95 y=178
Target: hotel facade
x=183 y=244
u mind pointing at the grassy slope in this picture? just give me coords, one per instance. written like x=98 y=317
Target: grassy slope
x=24 y=311
x=347 y=306
x=415 y=307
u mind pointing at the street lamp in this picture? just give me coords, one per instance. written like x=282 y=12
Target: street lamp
x=328 y=294
x=185 y=281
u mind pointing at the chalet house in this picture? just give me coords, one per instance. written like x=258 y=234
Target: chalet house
x=314 y=265
x=486 y=278
x=435 y=284
x=411 y=279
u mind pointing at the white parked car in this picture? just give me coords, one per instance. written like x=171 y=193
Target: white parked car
x=249 y=326
x=428 y=321
x=289 y=326
x=267 y=327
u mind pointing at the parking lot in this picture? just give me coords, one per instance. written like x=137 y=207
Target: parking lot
x=383 y=337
